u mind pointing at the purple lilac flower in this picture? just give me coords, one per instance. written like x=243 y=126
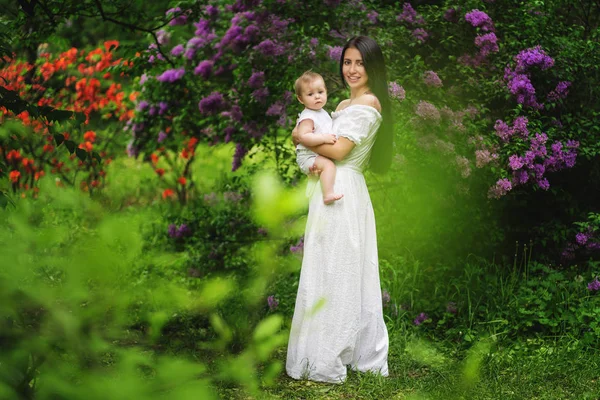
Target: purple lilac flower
x=335 y=53
x=235 y=113
x=299 y=247
x=543 y=183
x=251 y=32
x=256 y=80
x=420 y=35
x=594 y=285
x=372 y=16
x=204 y=68
x=581 y=238
x=142 y=105
x=183 y=230
x=538 y=170
x=171 y=75
x=501 y=187
x=470 y=61
x=172 y=230
x=162 y=37
x=385 y=298
x=196 y=43
x=162 y=107
x=560 y=92
x=482 y=158
x=451 y=307
x=132 y=151
x=480 y=20
x=275 y=109
x=211 y=11
x=314 y=42
x=572 y=144
x=270 y=48
x=520 y=86
x=515 y=162
x=179 y=20
x=177 y=50
x=408 y=15
x=451 y=15
x=531 y=57
x=432 y=79
x=520 y=127
x=212 y=104
x=396 y=91
x=463 y=166
x=143 y=78
x=272 y=302
x=161 y=137
x=240 y=152
x=427 y=111
x=332 y=3
x=503 y=131
x=260 y=95
x=487 y=43
x=520 y=177
x=420 y=319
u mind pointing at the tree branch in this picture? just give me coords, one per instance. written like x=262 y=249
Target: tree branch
x=133 y=27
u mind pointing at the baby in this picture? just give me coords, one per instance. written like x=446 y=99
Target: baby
x=312 y=93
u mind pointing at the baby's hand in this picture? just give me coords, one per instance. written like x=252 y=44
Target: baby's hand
x=329 y=139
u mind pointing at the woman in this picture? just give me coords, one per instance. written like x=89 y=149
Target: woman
x=338 y=319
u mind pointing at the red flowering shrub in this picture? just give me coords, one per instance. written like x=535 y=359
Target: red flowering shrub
x=56 y=87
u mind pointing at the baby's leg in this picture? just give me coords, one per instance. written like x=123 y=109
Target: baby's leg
x=328 y=170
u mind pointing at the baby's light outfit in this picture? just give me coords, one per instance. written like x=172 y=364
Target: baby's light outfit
x=323 y=124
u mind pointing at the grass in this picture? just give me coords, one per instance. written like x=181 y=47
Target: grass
x=543 y=369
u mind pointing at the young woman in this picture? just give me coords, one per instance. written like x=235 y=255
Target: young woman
x=338 y=319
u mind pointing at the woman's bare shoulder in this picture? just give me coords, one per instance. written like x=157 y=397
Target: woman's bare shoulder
x=343 y=104
x=368 y=100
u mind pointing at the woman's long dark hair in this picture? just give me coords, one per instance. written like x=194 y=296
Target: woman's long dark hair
x=381 y=154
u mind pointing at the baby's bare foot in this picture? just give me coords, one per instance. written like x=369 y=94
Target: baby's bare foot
x=330 y=198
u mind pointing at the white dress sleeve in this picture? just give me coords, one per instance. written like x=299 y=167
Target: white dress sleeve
x=357 y=122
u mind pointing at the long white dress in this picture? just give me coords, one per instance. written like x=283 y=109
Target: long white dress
x=338 y=319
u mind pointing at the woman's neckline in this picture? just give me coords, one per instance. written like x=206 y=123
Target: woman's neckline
x=358 y=105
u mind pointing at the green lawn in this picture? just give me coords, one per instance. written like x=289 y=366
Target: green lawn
x=535 y=369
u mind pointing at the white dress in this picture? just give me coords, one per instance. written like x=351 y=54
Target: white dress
x=338 y=319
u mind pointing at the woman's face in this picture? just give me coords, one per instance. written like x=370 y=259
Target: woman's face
x=353 y=70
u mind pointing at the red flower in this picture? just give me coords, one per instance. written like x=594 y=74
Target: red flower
x=160 y=171
x=48 y=148
x=13 y=154
x=154 y=158
x=168 y=193
x=90 y=136
x=182 y=180
x=109 y=43
x=14 y=176
x=87 y=146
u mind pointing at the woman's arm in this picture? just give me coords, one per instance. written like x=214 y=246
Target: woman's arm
x=337 y=151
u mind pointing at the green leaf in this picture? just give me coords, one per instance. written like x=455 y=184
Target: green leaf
x=268 y=327
x=59 y=138
x=70 y=146
x=96 y=156
x=81 y=154
x=59 y=115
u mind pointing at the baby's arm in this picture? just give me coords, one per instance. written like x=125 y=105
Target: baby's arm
x=307 y=138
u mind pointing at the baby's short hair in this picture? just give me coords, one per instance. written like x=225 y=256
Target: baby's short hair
x=304 y=79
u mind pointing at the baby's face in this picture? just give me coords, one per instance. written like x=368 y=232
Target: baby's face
x=314 y=95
